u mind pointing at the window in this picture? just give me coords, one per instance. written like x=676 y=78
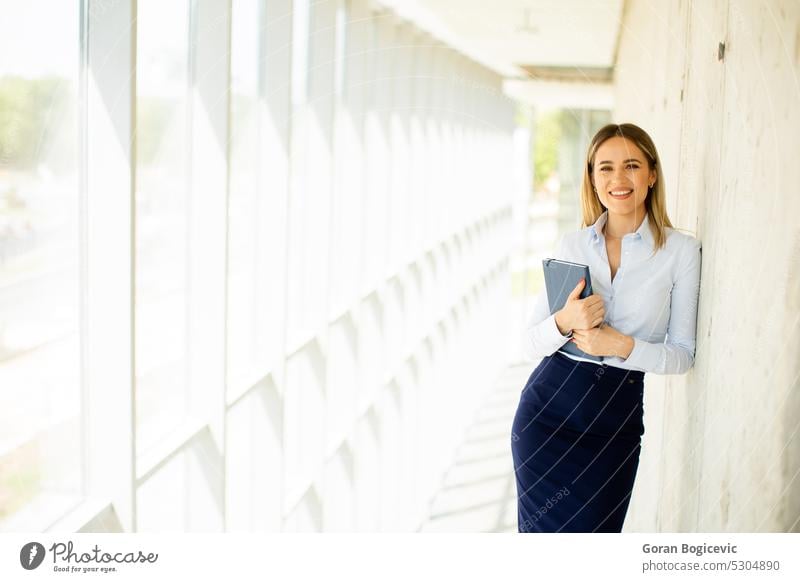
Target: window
x=226 y=293
x=40 y=260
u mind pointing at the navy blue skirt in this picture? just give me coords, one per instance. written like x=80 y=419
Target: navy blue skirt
x=575 y=440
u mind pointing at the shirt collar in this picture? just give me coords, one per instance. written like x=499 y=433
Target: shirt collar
x=643 y=233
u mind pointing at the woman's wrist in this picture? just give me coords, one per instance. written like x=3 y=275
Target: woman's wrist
x=626 y=346
x=562 y=329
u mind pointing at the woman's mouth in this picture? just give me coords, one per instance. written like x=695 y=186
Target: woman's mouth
x=620 y=194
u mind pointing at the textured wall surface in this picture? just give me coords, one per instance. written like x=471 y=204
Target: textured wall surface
x=722 y=443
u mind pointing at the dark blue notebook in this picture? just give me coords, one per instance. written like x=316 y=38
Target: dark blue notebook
x=560 y=278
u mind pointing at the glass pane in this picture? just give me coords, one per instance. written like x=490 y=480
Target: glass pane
x=253 y=462
x=161 y=217
x=161 y=500
x=243 y=210
x=179 y=498
x=40 y=446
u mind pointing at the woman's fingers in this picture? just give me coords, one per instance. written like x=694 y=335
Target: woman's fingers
x=593 y=300
x=594 y=309
x=583 y=335
x=591 y=319
x=581 y=345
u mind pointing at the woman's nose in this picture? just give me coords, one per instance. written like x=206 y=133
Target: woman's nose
x=620 y=174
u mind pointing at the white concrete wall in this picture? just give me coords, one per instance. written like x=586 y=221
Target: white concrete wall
x=722 y=450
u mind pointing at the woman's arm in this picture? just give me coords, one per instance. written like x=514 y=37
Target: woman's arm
x=676 y=354
x=541 y=336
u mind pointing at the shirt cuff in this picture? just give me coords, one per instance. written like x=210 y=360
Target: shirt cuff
x=544 y=338
x=644 y=355
x=554 y=335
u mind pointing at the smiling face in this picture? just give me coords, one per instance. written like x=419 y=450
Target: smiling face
x=621 y=174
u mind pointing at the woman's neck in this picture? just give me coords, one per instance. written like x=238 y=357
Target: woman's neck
x=617 y=226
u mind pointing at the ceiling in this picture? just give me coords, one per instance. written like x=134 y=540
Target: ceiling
x=552 y=43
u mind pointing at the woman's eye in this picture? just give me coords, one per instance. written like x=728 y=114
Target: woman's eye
x=628 y=167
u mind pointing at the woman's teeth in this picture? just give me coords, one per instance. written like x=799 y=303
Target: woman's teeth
x=621 y=193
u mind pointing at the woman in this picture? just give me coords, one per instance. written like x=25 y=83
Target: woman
x=577 y=431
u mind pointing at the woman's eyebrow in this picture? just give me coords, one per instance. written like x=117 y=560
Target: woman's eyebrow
x=623 y=161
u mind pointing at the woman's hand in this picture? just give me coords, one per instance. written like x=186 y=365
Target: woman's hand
x=580 y=313
x=603 y=341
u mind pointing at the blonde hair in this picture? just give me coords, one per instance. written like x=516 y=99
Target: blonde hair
x=655 y=203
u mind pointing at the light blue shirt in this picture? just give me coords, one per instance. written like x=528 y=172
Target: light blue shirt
x=653 y=297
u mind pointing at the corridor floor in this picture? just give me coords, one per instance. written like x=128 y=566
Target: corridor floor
x=478 y=493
